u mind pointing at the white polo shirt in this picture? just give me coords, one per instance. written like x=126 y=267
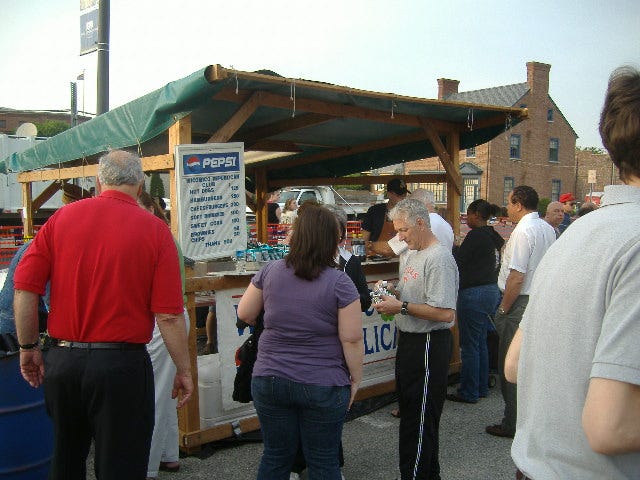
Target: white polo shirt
x=440 y=228
x=525 y=248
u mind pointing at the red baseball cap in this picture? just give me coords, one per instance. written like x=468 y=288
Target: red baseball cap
x=567 y=197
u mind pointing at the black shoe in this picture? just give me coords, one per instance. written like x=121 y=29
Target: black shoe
x=454 y=397
x=499 y=431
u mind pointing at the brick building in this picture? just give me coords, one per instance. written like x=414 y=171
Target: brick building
x=539 y=152
x=606 y=173
x=11 y=119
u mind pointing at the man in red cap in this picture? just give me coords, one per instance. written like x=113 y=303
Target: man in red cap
x=568 y=205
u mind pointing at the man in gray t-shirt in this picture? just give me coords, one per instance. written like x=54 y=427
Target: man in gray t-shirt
x=427 y=293
x=576 y=354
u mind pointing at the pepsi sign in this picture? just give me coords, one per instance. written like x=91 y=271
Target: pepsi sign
x=197 y=163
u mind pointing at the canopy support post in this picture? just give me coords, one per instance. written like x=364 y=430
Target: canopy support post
x=189 y=415
x=27 y=211
x=454 y=179
x=262 y=215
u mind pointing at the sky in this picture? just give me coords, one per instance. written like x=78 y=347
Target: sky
x=394 y=46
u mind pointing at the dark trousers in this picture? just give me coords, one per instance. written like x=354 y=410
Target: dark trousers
x=506 y=326
x=422 y=364
x=105 y=395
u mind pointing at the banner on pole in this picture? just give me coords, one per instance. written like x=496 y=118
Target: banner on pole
x=88 y=26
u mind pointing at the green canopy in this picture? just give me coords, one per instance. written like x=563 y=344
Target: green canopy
x=323 y=130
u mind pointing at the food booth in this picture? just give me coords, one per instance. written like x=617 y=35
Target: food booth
x=290 y=132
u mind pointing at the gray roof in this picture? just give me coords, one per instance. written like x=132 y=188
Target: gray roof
x=504 y=96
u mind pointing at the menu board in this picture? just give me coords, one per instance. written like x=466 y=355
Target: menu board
x=211 y=199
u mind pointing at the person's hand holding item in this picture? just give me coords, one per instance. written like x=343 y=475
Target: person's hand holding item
x=389 y=305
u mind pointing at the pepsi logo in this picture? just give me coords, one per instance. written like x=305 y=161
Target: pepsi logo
x=193 y=164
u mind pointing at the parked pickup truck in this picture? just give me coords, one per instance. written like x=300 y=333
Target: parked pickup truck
x=355 y=202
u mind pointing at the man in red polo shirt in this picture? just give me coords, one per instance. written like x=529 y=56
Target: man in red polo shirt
x=113 y=268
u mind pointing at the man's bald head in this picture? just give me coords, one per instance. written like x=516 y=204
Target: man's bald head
x=555 y=214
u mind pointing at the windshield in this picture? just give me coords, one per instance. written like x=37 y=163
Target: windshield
x=287 y=194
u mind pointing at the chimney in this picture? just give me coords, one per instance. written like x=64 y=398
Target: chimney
x=538 y=77
x=446 y=87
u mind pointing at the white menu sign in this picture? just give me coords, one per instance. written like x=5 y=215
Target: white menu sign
x=211 y=199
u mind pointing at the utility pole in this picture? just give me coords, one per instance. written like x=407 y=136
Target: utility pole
x=74 y=104
x=103 y=57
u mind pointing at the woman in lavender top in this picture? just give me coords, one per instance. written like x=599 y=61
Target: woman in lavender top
x=310 y=354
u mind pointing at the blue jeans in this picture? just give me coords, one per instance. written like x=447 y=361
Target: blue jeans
x=290 y=411
x=475 y=304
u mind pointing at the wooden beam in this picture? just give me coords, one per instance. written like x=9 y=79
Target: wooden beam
x=149 y=164
x=440 y=149
x=361 y=180
x=216 y=73
x=195 y=438
x=27 y=213
x=453 y=196
x=237 y=119
x=262 y=194
x=344 y=151
x=499 y=119
x=45 y=195
x=274 y=146
x=189 y=415
x=308 y=105
x=277 y=128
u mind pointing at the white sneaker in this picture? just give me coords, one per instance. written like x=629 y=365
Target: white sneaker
x=294 y=476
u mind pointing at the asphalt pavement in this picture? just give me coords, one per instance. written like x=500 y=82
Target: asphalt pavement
x=371 y=448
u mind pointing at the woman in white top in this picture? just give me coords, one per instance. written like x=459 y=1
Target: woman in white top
x=290 y=211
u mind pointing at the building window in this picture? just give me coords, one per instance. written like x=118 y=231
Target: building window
x=554 y=145
x=550 y=115
x=439 y=191
x=470 y=192
x=514 y=151
x=471 y=152
x=509 y=184
x=556 y=187
x=3 y=123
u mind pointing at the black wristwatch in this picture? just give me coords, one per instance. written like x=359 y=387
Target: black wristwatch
x=404 y=310
x=29 y=346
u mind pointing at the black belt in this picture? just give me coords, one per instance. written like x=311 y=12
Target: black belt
x=101 y=345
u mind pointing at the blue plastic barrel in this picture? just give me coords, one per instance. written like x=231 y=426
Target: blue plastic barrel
x=26 y=432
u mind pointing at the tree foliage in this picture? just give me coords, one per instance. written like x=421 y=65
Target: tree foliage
x=596 y=150
x=156 y=188
x=49 y=128
x=542 y=206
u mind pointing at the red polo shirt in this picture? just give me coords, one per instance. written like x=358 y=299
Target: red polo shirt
x=112 y=265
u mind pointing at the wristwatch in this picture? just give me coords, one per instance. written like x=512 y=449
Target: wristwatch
x=502 y=311
x=404 y=310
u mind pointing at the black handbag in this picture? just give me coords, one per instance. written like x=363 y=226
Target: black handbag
x=246 y=355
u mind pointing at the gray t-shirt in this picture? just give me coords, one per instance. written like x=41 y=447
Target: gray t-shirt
x=582 y=321
x=429 y=276
x=300 y=341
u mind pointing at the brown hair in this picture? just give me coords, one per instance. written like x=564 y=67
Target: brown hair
x=288 y=203
x=620 y=121
x=314 y=241
x=148 y=202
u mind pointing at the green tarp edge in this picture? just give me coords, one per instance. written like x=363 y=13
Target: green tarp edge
x=126 y=126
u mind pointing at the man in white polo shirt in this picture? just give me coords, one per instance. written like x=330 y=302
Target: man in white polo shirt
x=525 y=248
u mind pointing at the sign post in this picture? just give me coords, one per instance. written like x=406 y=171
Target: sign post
x=211 y=199
x=591 y=180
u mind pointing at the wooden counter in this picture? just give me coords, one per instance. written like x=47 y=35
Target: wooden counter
x=380 y=344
